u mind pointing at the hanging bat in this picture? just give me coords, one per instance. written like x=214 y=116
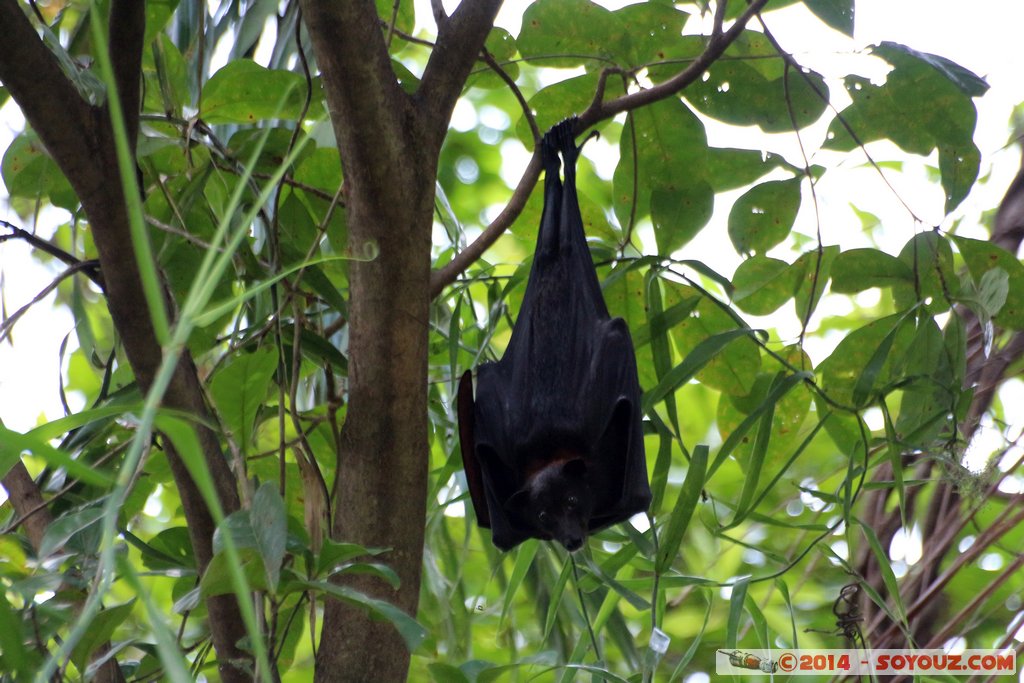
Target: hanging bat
x=552 y=445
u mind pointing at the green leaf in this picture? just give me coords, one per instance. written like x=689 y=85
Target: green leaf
x=333 y=553
x=101 y=628
x=731 y=169
x=60 y=531
x=502 y=47
x=270 y=530
x=736 y=600
x=686 y=503
x=239 y=389
x=646 y=28
x=553 y=103
x=671 y=154
x=696 y=359
x=410 y=630
x=842 y=371
x=764 y=215
x=405 y=20
x=814 y=268
x=763 y=284
x=28 y=171
x=679 y=214
x=15 y=659
x=169 y=549
x=836 y=13
x=965 y=79
x=930 y=258
x=958 y=169
x=855 y=270
x=568 y=33
x=217 y=577
x=756 y=92
x=925 y=103
x=244 y=92
x=731 y=369
x=982 y=257
x=524 y=559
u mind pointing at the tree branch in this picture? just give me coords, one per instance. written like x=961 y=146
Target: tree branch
x=348 y=41
x=459 y=41
x=127 y=31
x=80 y=139
x=717 y=44
x=49 y=101
x=598 y=111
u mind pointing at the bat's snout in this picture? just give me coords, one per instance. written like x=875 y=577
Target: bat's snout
x=573 y=543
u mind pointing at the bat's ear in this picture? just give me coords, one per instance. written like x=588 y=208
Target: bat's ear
x=517 y=508
x=575 y=468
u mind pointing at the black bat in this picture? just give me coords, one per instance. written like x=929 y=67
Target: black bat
x=553 y=446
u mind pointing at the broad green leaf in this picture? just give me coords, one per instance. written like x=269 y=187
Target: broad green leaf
x=559 y=100
x=270 y=530
x=446 y=673
x=13 y=445
x=16 y=660
x=62 y=529
x=731 y=169
x=965 y=79
x=28 y=171
x=170 y=549
x=100 y=631
x=789 y=411
x=764 y=215
x=841 y=371
x=958 y=169
x=244 y=92
x=646 y=28
x=239 y=525
x=930 y=258
x=686 y=503
x=404 y=19
x=763 y=284
x=166 y=74
x=695 y=360
x=928 y=404
x=855 y=270
x=836 y=13
x=983 y=256
x=814 y=269
x=680 y=213
x=501 y=45
x=567 y=33
x=671 y=154
x=240 y=389
x=410 y=630
x=925 y=103
x=737 y=92
x=732 y=369
x=868 y=378
x=333 y=553
x=217 y=577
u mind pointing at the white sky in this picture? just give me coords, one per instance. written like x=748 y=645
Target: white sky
x=982 y=36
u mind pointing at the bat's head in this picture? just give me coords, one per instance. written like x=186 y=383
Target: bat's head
x=556 y=502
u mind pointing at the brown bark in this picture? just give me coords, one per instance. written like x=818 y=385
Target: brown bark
x=80 y=139
x=389 y=144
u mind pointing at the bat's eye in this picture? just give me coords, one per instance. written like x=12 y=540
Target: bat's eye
x=572 y=501
x=543 y=517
